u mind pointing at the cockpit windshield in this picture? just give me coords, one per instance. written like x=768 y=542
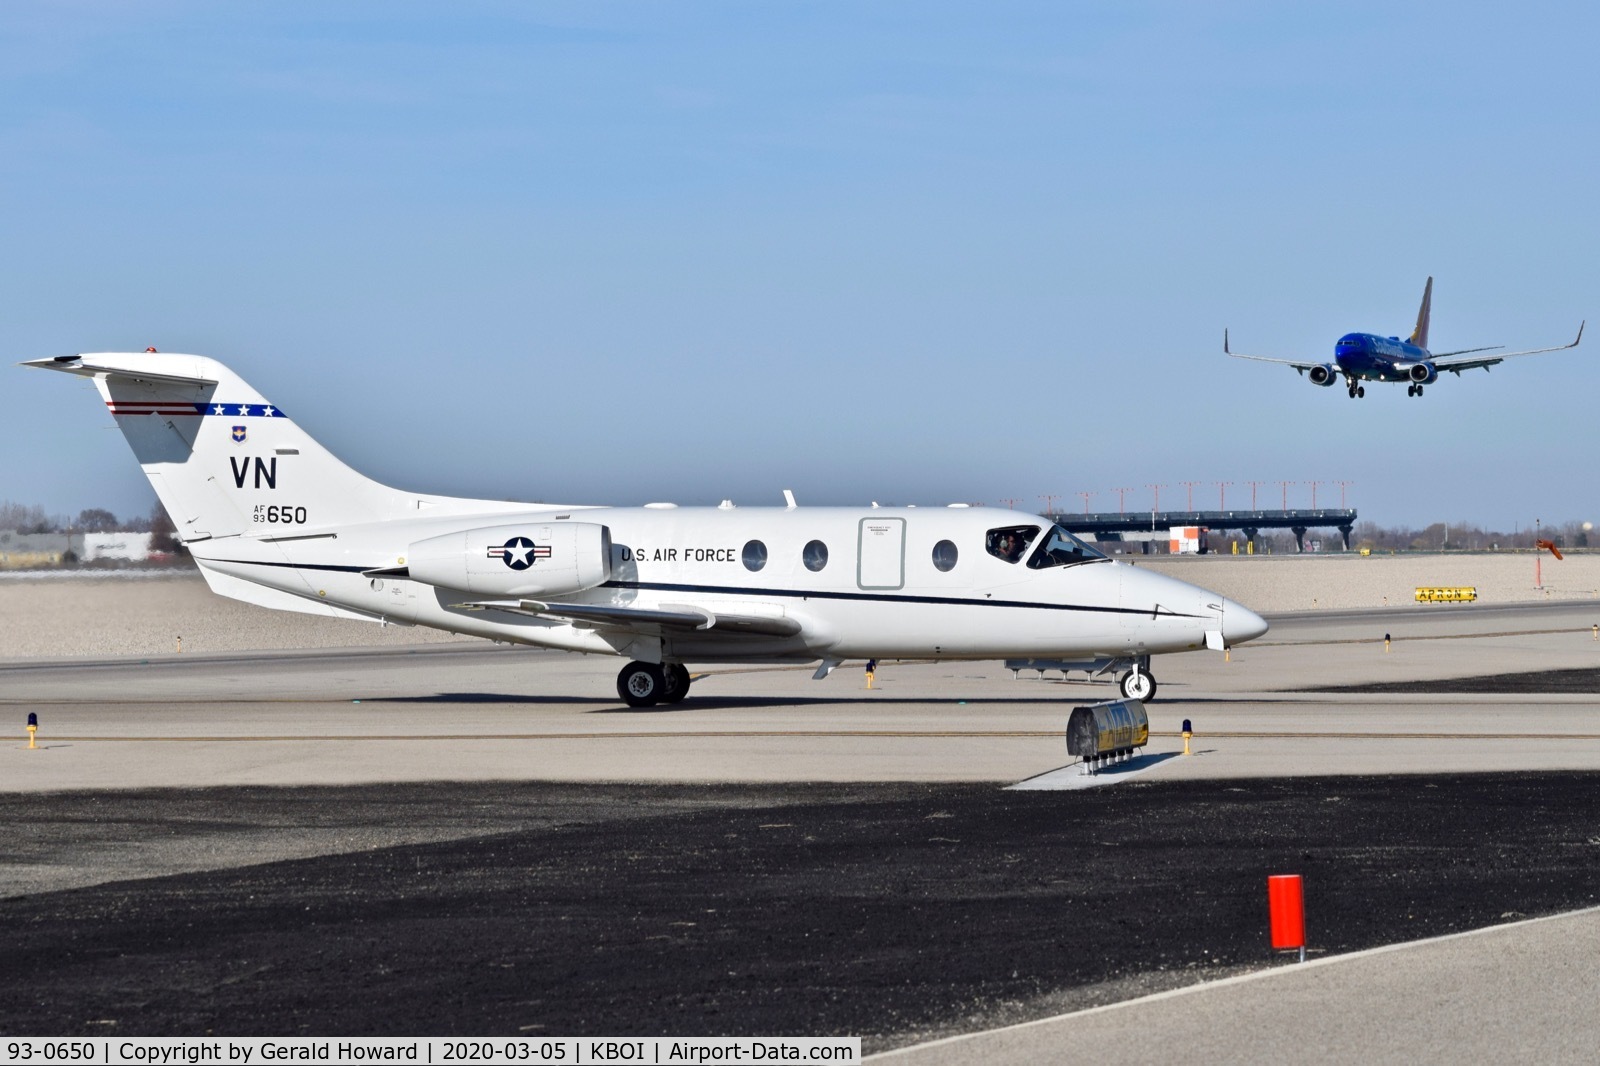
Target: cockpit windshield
x=1061 y=548
x=1009 y=543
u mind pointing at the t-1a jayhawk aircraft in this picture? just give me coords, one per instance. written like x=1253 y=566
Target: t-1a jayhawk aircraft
x=272 y=518
x=1368 y=357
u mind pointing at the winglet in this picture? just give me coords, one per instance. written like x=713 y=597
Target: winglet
x=1419 y=336
x=1585 y=322
x=1225 y=341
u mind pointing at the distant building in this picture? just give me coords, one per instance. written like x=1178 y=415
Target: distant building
x=19 y=551
x=134 y=547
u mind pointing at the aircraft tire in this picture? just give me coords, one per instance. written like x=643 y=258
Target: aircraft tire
x=1411 y=390
x=641 y=684
x=1419 y=390
x=677 y=679
x=1139 y=686
x=1361 y=390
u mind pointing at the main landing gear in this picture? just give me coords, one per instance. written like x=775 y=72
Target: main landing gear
x=647 y=684
x=1357 y=390
x=1414 y=390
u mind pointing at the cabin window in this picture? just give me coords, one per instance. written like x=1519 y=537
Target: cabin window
x=1009 y=543
x=944 y=556
x=814 y=555
x=1061 y=548
x=754 y=555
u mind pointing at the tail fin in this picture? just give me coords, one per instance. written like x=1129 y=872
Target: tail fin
x=221 y=458
x=1419 y=336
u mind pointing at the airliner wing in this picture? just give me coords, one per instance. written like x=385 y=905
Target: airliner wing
x=1301 y=367
x=639 y=618
x=1457 y=366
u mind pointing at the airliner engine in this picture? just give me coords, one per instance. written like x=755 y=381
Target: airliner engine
x=1325 y=374
x=1422 y=373
x=523 y=559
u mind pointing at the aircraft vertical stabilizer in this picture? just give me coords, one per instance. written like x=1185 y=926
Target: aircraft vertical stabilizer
x=1419 y=336
x=224 y=461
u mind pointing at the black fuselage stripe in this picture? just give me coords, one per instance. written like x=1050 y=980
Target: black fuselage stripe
x=871 y=597
x=295 y=566
x=794 y=594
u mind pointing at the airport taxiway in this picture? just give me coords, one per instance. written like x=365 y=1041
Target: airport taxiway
x=479 y=712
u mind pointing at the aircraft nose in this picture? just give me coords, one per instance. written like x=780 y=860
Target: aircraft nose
x=1240 y=623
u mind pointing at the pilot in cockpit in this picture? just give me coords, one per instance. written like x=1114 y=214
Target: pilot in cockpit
x=1008 y=545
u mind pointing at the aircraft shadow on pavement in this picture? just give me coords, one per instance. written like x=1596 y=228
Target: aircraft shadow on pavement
x=487 y=697
x=609 y=705
x=714 y=703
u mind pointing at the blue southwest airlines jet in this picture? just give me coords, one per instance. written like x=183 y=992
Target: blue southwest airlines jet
x=1362 y=357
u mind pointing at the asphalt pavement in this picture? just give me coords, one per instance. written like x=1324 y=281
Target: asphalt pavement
x=900 y=913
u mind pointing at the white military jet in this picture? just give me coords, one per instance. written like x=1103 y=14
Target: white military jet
x=272 y=518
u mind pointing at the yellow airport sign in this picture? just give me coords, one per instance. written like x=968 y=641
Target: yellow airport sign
x=1447 y=594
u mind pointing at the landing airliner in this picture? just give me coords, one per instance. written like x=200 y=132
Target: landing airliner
x=1362 y=357
x=273 y=519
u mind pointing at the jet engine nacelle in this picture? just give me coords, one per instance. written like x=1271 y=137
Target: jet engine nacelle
x=1325 y=374
x=1422 y=373
x=521 y=559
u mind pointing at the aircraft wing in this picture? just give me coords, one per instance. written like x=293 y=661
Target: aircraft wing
x=1298 y=365
x=671 y=616
x=1445 y=361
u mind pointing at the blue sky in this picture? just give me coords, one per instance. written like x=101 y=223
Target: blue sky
x=900 y=252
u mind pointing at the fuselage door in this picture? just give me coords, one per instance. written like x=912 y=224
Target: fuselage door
x=881 y=554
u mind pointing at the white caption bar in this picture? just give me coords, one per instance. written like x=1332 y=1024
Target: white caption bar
x=564 y=1051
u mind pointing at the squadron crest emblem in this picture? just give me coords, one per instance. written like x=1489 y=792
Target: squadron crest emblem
x=238 y=434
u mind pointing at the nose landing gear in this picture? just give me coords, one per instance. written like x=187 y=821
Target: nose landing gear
x=1137 y=684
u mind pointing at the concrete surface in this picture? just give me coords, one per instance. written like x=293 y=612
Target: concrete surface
x=1520 y=992
x=477 y=712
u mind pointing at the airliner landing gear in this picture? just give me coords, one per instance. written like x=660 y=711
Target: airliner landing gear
x=1137 y=684
x=1357 y=390
x=646 y=684
x=1415 y=390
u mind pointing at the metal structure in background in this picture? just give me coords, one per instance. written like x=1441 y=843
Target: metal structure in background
x=1112 y=526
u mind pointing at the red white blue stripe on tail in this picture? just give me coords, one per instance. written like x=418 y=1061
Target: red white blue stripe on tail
x=168 y=407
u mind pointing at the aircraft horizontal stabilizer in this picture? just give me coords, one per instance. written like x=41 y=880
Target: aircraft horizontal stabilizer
x=75 y=364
